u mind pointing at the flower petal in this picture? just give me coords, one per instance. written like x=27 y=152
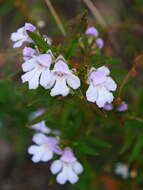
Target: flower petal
x=33 y=149
x=56 y=166
x=32 y=77
x=92 y=93
x=62 y=177
x=104 y=96
x=110 y=84
x=29 y=27
x=72 y=177
x=29 y=65
x=73 y=81
x=18 y=43
x=46 y=79
x=37 y=157
x=41 y=127
x=61 y=66
x=48 y=155
x=15 y=36
x=45 y=59
x=77 y=167
x=60 y=88
x=104 y=69
x=39 y=138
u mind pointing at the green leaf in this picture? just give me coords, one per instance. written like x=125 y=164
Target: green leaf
x=98 y=142
x=72 y=46
x=42 y=45
x=76 y=29
x=86 y=149
x=137 y=149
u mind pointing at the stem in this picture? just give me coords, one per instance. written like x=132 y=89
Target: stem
x=95 y=12
x=56 y=17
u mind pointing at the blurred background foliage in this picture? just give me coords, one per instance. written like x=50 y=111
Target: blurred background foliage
x=104 y=141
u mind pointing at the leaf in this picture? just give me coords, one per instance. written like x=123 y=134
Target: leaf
x=42 y=45
x=86 y=149
x=98 y=142
x=72 y=46
x=137 y=148
x=76 y=29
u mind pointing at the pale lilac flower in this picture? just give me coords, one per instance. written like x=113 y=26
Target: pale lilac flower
x=44 y=148
x=122 y=107
x=92 y=31
x=100 y=43
x=41 y=127
x=21 y=36
x=100 y=86
x=122 y=170
x=108 y=107
x=36 y=113
x=37 y=70
x=67 y=168
x=62 y=78
x=29 y=53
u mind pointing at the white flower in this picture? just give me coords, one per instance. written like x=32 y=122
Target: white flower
x=67 y=168
x=122 y=170
x=100 y=86
x=21 y=36
x=62 y=78
x=44 y=149
x=37 y=70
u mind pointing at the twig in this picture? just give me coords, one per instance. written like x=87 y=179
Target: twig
x=102 y=22
x=56 y=17
x=135 y=118
x=95 y=12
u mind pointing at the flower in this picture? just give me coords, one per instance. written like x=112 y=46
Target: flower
x=92 y=31
x=41 y=127
x=28 y=53
x=21 y=36
x=44 y=149
x=108 y=107
x=36 y=113
x=67 y=168
x=100 y=86
x=122 y=170
x=100 y=43
x=37 y=70
x=60 y=77
x=122 y=107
